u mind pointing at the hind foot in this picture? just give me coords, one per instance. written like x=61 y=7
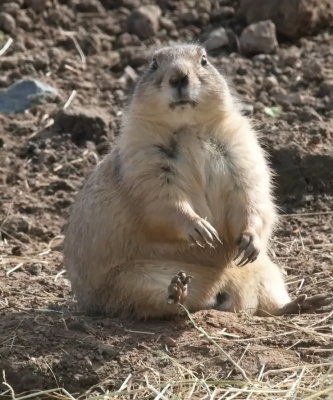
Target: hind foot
x=177 y=290
x=307 y=304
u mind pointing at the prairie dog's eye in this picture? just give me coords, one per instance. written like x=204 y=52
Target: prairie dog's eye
x=154 y=65
x=204 y=60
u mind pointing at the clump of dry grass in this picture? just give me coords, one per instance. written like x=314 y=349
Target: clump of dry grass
x=303 y=382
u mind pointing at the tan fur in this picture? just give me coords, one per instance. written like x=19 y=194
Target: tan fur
x=174 y=170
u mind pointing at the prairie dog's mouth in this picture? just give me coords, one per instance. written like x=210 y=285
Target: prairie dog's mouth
x=182 y=103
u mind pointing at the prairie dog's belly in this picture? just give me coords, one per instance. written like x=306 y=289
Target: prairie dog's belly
x=218 y=180
x=204 y=174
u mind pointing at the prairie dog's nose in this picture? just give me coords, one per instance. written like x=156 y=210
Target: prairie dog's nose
x=179 y=79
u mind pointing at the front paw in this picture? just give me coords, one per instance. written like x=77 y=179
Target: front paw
x=201 y=233
x=248 y=248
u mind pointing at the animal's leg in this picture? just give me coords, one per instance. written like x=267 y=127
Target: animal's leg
x=304 y=304
x=150 y=288
x=259 y=288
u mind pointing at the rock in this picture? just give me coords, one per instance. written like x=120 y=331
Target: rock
x=110 y=61
x=59 y=184
x=128 y=3
x=24 y=94
x=131 y=74
x=19 y=2
x=216 y=39
x=82 y=124
x=223 y=12
x=326 y=88
x=16 y=224
x=134 y=56
x=308 y=114
x=7 y=23
x=167 y=24
x=10 y=8
x=270 y=82
x=37 y=5
x=190 y=17
x=293 y=18
x=23 y=21
x=313 y=70
x=259 y=38
x=294 y=99
x=35 y=268
x=145 y=21
x=125 y=39
x=89 y=6
x=290 y=57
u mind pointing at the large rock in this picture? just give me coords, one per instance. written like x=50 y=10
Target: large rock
x=293 y=18
x=7 y=23
x=259 y=38
x=25 y=94
x=145 y=21
x=217 y=39
x=37 y=5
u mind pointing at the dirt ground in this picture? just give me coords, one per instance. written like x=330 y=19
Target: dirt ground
x=44 y=343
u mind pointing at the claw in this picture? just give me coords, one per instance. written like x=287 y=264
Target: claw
x=216 y=236
x=212 y=232
x=247 y=250
x=202 y=237
x=254 y=257
x=196 y=242
x=242 y=260
x=240 y=251
x=242 y=263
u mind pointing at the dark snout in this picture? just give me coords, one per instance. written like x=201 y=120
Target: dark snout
x=179 y=80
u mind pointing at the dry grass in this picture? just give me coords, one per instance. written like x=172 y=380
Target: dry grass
x=312 y=381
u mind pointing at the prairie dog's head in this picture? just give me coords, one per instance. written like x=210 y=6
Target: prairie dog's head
x=180 y=86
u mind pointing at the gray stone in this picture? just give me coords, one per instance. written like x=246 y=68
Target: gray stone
x=293 y=18
x=259 y=38
x=216 y=39
x=24 y=94
x=145 y=21
x=270 y=82
x=313 y=70
x=130 y=73
x=10 y=8
x=37 y=5
x=326 y=88
x=7 y=23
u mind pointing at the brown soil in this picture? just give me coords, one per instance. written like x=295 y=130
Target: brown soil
x=44 y=342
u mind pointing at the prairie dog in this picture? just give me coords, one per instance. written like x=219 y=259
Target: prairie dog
x=186 y=188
